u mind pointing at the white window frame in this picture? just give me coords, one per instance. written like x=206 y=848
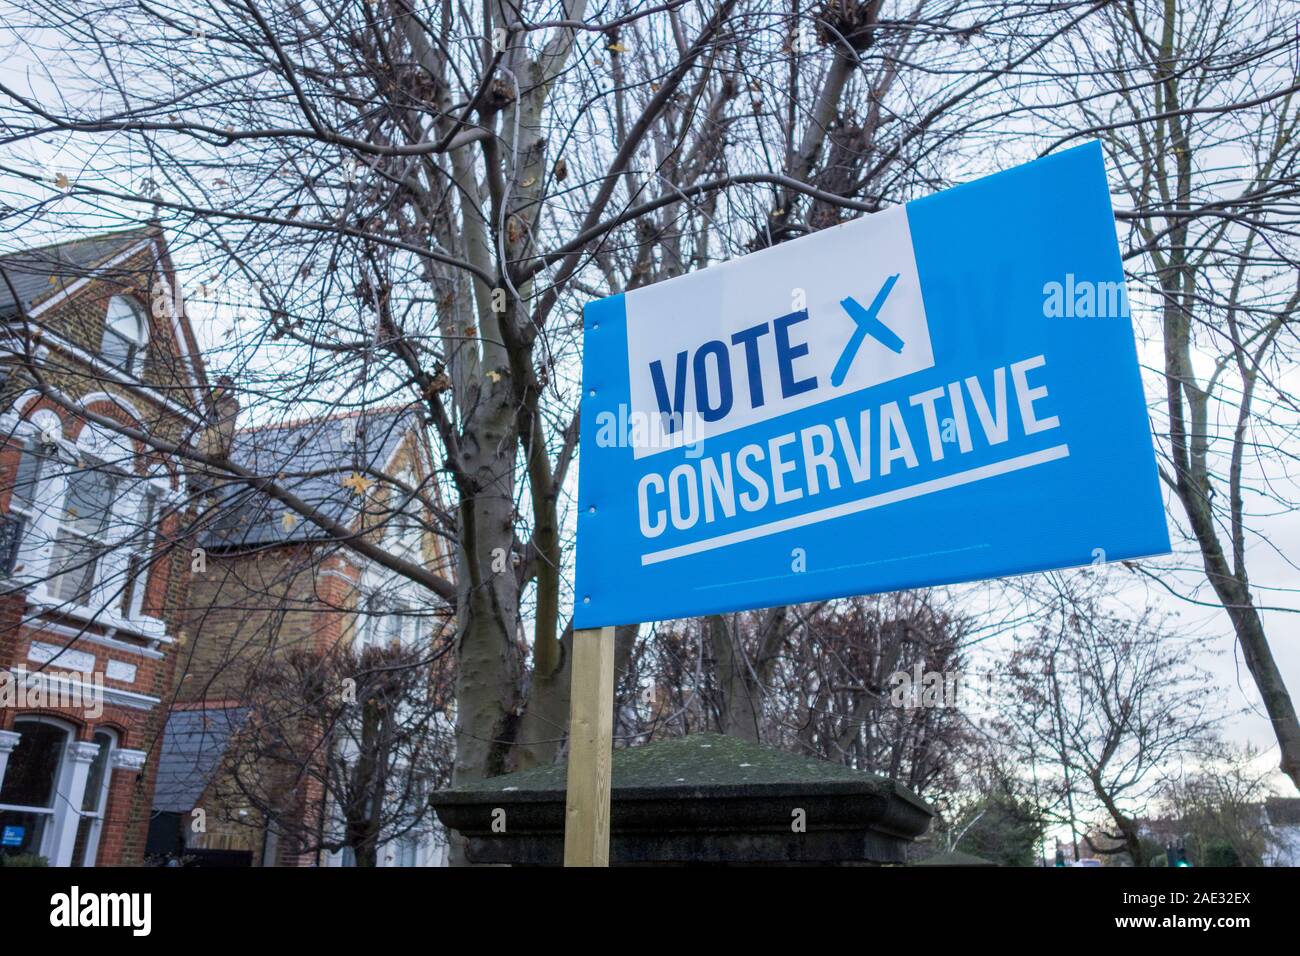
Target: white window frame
x=378 y=612
x=89 y=547
x=138 y=566
x=41 y=520
x=108 y=451
x=58 y=802
x=37 y=455
x=96 y=816
x=136 y=344
x=405 y=531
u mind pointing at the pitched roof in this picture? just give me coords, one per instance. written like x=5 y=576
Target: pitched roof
x=335 y=446
x=194 y=742
x=34 y=273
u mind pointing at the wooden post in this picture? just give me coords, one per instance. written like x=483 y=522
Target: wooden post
x=591 y=748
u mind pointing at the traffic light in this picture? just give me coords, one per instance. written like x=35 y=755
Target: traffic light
x=1182 y=857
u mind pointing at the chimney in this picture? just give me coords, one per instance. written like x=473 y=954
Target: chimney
x=220 y=432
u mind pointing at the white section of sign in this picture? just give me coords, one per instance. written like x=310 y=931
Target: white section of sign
x=862 y=504
x=817 y=272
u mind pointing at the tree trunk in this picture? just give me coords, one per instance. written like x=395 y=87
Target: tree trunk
x=488 y=660
x=741 y=709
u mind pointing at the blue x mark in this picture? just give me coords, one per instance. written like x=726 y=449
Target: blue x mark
x=867 y=324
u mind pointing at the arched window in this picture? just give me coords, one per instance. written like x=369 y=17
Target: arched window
x=30 y=791
x=126 y=333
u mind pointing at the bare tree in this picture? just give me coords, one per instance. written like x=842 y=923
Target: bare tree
x=1218 y=808
x=842 y=680
x=1111 y=701
x=1195 y=102
x=419 y=197
x=340 y=749
x=416 y=199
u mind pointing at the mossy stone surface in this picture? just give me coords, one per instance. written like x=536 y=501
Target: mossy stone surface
x=698 y=761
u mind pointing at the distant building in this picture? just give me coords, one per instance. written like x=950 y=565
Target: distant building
x=93 y=562
x=139 y=593
x=1282 y=817
x=274 y=584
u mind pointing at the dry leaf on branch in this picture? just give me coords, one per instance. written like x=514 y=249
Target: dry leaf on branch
x=359 y=483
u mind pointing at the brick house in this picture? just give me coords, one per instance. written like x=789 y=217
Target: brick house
x=273 y=584
x=94 y=563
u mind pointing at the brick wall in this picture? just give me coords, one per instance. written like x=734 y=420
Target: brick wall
x=246 y=607
x=79 y=321
x=249 y=607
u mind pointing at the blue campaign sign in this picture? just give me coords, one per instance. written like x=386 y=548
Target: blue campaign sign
x=12 y=836
x=940 y=392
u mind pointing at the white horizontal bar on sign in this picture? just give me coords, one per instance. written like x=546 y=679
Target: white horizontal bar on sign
x=862 y=504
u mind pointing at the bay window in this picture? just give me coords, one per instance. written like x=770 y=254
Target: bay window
x=141 y=558
x=386 y=623
x=83 y=535
x=35 y=463
x=54 y=792
x=82 y=523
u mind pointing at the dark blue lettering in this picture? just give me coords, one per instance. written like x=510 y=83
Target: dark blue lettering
x=671 y=412
x=711 y=413
x=749 y=338
x=787 y=353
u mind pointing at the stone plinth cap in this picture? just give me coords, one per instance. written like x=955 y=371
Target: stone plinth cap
x=705 y=797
